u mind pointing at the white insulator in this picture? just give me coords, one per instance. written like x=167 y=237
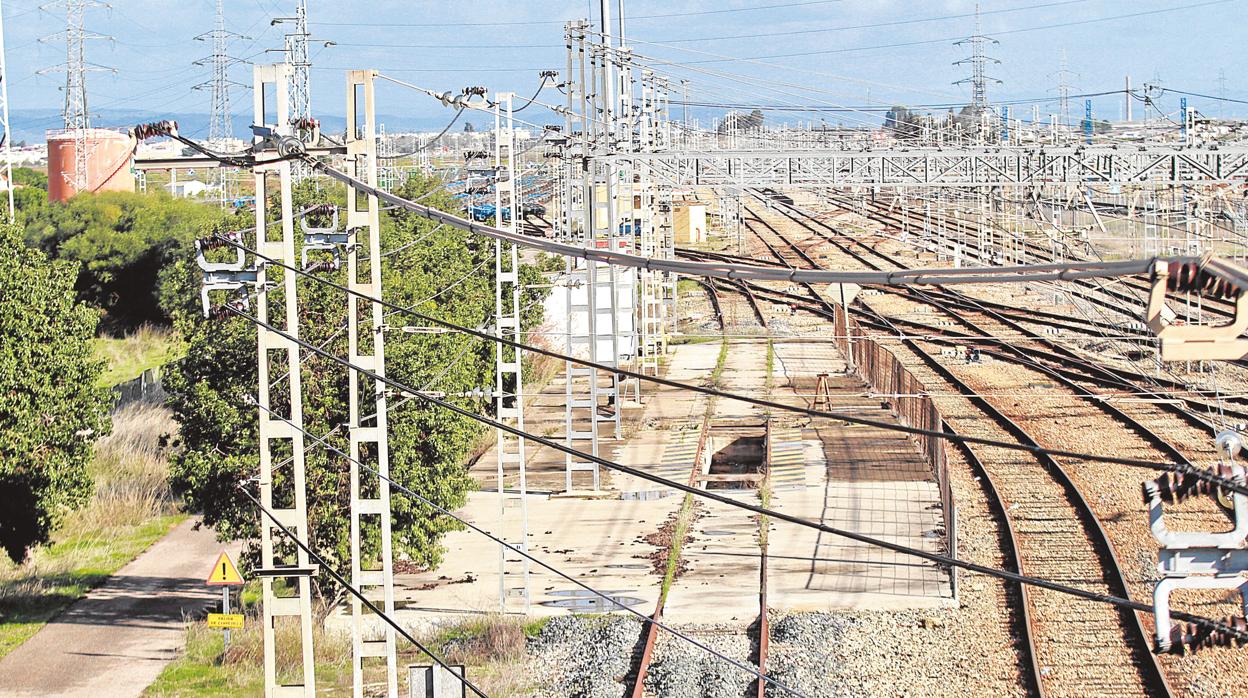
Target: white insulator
x=1229 y=443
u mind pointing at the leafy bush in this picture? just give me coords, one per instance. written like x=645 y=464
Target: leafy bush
x=444 y=272
x=51 y=409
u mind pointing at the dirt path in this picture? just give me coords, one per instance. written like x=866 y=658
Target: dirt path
x=117 y=640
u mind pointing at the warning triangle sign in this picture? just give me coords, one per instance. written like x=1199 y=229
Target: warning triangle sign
x=224 y=573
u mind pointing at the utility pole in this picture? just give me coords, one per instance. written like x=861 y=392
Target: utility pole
x=978 y=61
x=76 y=116
x=220 y=124
x=581 y=386
x=1128 y=97
x=282 y=437
x=368 y=414
x=509 y=361
x=4 y=115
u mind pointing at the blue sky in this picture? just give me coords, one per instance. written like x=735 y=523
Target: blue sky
x=154 y=49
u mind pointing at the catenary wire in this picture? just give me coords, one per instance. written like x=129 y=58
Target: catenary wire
x=1134 y=462
x=745 y=506
x=524 y=553
x=328 y=567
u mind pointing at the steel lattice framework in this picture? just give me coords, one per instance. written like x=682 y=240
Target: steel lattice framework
x=282 y=490
x=960 y=167
x=220 y=126
x=75 y=114
x=509 y=364
x=368 y=412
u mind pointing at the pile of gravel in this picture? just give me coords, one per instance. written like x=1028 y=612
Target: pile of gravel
x=586 y=656
x=681 y=670
x=803 y=654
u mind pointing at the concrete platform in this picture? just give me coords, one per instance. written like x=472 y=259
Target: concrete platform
x=867 y=480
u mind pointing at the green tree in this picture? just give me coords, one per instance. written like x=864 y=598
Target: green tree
x=443 y=272
x=50 y=408
x=122 y=242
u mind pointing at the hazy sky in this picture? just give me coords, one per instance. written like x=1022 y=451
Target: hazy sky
x=501 y=45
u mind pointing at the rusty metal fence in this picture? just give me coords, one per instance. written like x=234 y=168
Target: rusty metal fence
x=907 y=396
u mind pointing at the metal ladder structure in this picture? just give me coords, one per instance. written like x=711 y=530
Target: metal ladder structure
x=509 y=364
x=368 y=426
x=284 y=492
x=581 y=390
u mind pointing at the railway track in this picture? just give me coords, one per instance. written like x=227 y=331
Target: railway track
x=1130 y=300
x=1053 y=533
x=681 y=535
x=1059 y=357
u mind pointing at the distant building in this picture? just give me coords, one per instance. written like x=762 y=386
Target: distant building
x=188 y=188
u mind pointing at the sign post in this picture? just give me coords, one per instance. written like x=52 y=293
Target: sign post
x=225 y=575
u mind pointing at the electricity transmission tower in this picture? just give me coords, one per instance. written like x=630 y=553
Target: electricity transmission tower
x=76 y=116
x=300 y=65
x=978 y=60
x=220 y=126
x=4 y=115
x=1063 y=76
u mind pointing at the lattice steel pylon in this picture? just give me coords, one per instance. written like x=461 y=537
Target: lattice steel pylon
x=220 y=123
x=978 y=59
x=509 y=362
x=283 y=491
x=369 y=425
x=75 y=113
x=301 y=65
x=1063 y=76
x=7 y=165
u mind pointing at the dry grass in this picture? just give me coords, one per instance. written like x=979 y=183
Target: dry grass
x=491 y=646
x=206 y=668
x=131 y=470
x=131 y=508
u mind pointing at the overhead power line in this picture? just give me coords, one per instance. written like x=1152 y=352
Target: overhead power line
x=759 y=402
x=725 y=270
x=745 y=506
x=328 y=567
x=520 y=550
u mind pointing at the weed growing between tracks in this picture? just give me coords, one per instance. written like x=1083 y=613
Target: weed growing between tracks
x=131 y=509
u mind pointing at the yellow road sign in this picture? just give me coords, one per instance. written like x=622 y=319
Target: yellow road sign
x=224 y=573
x=225 y=620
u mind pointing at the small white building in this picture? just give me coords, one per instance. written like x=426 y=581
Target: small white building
x=188 y=188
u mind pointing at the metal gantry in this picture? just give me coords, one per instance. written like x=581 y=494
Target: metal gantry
x=948 y=167
x=368 y=425
x=283 y=492
x=513 y=512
